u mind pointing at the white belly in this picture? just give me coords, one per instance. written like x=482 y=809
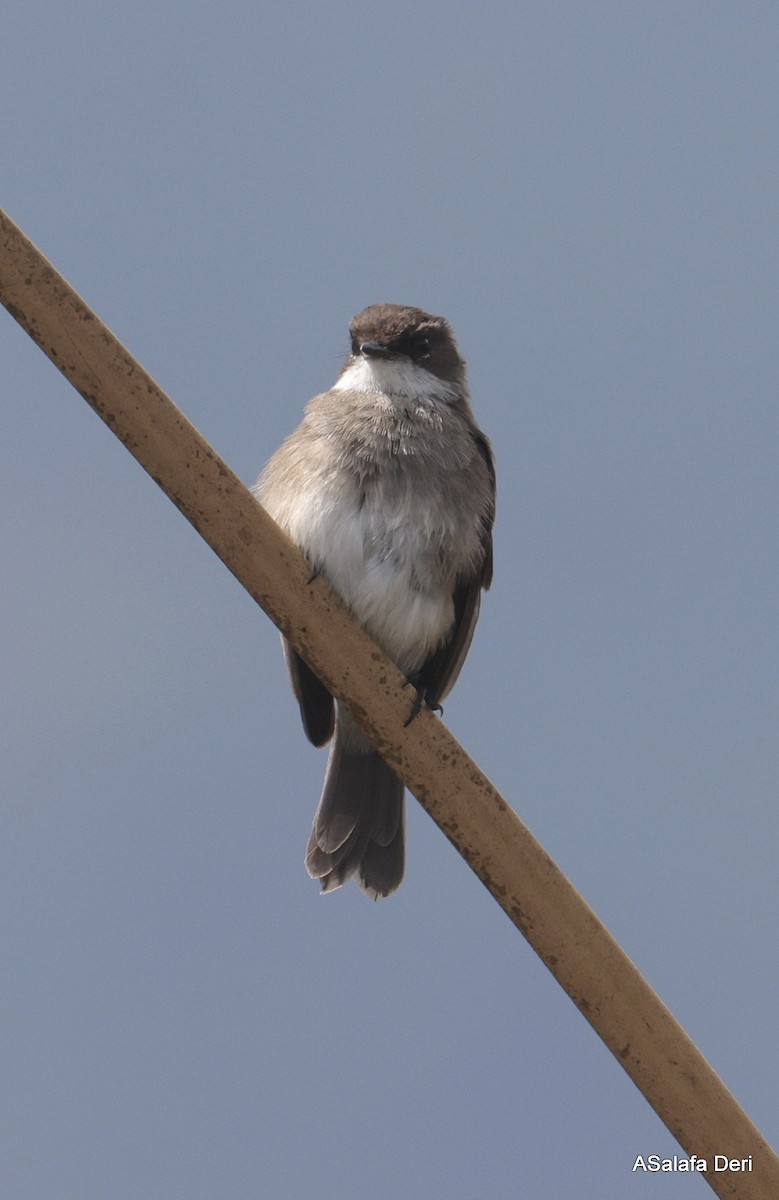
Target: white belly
x=374 y=561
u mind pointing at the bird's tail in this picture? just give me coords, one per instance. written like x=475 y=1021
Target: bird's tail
x=358 y=827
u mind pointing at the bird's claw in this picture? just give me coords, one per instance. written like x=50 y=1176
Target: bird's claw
x=422 y=697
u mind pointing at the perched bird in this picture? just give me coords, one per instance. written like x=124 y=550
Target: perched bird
x=388 y=488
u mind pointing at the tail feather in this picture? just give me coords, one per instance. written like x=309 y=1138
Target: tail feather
x=381 y=869
x=358 y=827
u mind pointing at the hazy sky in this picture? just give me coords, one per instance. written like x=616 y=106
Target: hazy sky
x=589 y=193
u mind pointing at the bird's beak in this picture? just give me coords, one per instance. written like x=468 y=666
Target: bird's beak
x=374 y=350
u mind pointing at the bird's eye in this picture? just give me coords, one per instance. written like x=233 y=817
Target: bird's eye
x=422 y=347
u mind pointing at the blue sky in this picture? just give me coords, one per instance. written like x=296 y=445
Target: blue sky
x=589 y=194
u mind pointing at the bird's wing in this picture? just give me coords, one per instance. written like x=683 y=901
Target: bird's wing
x=438 y=675
x=316 y=704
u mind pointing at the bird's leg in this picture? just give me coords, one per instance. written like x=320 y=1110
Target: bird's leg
x=423 y=696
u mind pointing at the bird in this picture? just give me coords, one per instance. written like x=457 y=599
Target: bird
x=388 y=488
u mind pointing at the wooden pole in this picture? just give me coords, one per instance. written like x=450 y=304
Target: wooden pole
x=585 y=959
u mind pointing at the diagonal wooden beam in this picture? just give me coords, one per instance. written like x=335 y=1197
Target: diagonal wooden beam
x=585 y=959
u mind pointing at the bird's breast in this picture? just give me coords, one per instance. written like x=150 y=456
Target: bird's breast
x=385 y=558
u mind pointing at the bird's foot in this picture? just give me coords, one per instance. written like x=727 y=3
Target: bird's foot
x=422 y=697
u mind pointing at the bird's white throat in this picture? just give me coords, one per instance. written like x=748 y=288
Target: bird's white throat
x=394 y=377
